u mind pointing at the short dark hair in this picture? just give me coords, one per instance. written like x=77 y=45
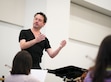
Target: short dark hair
x=41 y=13
x=22 y=63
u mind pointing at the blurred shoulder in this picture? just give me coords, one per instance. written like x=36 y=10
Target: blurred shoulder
x=32 y=79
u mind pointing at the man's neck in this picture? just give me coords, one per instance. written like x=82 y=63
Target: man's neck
x=34 y=30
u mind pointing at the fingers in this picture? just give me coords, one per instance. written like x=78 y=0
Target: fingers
x=40 y=37
x=63 y=43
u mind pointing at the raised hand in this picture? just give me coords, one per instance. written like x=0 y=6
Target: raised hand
x=40 y=37
x=63 y=43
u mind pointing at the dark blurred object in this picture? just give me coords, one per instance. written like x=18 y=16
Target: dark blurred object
x=2 y=79
x=68 y=73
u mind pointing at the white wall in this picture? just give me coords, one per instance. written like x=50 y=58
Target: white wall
x=56 y=29
x=9 y=45
x=58 y=13
x=12 y=11
x=101 y=3
x=87 y=30
x=89 y=22
x=32 y=7
x=9 y=34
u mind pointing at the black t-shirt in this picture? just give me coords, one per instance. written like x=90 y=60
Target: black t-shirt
x=36 y=50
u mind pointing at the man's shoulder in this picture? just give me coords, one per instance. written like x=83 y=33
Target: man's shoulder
x=25 y=29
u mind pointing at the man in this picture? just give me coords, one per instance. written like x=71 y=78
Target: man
x=35 y=42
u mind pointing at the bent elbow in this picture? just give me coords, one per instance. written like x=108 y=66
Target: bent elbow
x=22 y=47
x=52 y=55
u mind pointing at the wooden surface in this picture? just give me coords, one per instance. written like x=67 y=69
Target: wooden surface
x=1 y=79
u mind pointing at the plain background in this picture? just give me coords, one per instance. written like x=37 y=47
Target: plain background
x=78 y=25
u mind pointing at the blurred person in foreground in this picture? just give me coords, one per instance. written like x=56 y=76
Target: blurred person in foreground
x=101 y=71
x=21 y=68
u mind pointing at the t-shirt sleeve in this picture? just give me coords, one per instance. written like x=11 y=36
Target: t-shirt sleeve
x=21 y=35
x=47 y=45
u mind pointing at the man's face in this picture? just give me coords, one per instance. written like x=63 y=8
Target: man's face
x=38 y=21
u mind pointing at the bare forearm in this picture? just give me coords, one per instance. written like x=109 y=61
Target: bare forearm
x=56 y=51
x=25 y=45
x=52 y=53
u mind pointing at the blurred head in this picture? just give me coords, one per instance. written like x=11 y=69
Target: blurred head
x=43 y=15
x=104 y=53
x=39 y=20
x=22 y=63
x=103 y=60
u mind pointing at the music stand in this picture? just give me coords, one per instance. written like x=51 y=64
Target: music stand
x=68 y=73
